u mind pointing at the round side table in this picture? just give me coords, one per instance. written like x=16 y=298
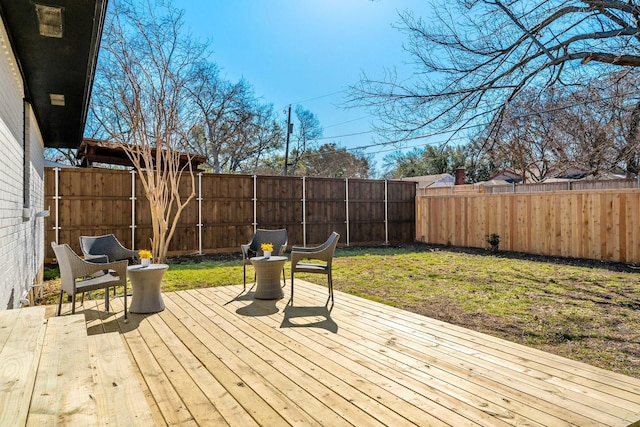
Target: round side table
x=268 y=272
x=145 y=284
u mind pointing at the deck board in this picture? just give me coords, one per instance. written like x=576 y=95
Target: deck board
x=443 y=350
x=20 y=353
x=119 y=397
x=217 y=356
x=322 y=401
x=63 y=393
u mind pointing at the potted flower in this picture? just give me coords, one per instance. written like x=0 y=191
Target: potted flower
x=267 y=248
x=145 y=257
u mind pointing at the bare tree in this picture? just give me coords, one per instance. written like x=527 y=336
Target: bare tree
x=331 y=161
x=590 y=127
x=306 y=131
x=475 y=56
x=237 y=129
x=530 y=136
x=140 y=101
x=61 y=155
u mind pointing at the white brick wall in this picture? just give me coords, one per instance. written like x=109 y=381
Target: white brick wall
x=21 y=240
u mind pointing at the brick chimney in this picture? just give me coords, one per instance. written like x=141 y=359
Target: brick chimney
x=459 y=176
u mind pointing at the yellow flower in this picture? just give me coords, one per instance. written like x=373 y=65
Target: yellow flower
x=144 y=253
x=266 y=247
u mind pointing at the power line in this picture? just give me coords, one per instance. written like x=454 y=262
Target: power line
x=348 y=121
x=345 y=135
x=428 y=135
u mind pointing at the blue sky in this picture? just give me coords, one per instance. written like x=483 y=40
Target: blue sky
x=306 y=52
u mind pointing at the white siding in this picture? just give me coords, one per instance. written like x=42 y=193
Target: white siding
x=21 y=240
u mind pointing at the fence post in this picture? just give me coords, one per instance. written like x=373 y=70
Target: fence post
x=346 y=180
x=200 y=213
x=255 y=203
x=57 y=204
x=304 y=211
x=133 y=209
x=386 y=213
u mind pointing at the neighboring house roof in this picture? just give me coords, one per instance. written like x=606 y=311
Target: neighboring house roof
x=56 y=44
x=507 y=175
x=52 y=164
x=570 y=172
x=432 y=181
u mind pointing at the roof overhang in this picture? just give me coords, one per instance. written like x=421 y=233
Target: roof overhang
x=56 y=44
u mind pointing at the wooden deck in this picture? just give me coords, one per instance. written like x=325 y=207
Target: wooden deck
x=218 y=357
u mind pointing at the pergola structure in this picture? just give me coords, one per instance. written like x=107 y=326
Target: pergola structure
x=93 y=151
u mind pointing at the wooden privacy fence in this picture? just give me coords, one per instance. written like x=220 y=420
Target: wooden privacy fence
x=570 y=185
x=227 y=209
x=595 y=224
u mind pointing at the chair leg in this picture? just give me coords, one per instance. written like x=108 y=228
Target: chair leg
x=73 y=303
x=292 y=287
x=284 y=280
x=126 y=317
x=106 y=299
x=244 y=268
x=60 y=302
x=330 y=286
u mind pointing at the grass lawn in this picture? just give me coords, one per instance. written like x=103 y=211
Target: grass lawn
x=586 y=313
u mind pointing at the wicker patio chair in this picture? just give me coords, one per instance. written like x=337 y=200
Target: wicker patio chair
x=79 y=276
x=318 y=260
x=98 y=246
x=278 y=238
x=106 y=248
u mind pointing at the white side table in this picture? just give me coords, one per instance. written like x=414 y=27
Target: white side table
x=145 y=284
x=268 y=272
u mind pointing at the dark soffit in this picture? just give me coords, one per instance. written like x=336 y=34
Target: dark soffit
x=57 y=65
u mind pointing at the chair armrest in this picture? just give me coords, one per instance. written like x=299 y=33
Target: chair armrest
x=245 y=251
x=304 y=249
x=123 y=253
x=120 y=267
x=87 y=268
x=323 y=254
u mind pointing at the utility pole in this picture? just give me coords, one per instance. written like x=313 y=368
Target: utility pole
x=289 y=131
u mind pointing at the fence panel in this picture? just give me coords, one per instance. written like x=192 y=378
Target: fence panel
x=595 y=224
x=226 y=209
x=325 y=209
